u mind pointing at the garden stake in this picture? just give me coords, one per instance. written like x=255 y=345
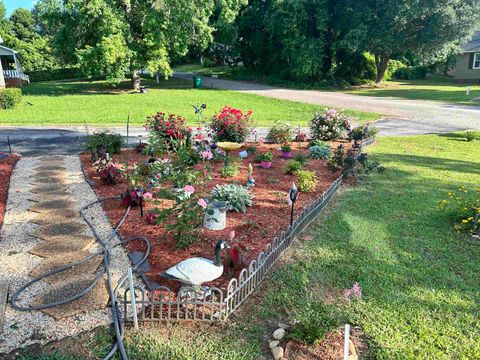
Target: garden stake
x=9 y=145
x=292 y=199
x=132 y=298
x=128 y=127
x=346 y=342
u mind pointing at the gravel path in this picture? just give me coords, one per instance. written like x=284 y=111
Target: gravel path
x=16 y=261
x=433 y=115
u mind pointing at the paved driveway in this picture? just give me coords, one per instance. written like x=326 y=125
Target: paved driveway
x=402 y=117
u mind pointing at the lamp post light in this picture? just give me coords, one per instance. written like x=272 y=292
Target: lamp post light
x=292 y=199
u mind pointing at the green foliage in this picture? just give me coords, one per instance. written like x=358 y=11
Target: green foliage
x=229 y=170
x=317 y=142
x=266 y=156
x=110 y=142
x=312 y=323
x=411 y=73
x=392 y=67
x=362 y=132
x=462 y=206
x=292 y=166
x=302 y=159
x=251 y=150
x=55 y=74
x=280 y=133
x=354 y=166
x=337 y=162
x=237 y=197
x=472 y=135
x=9 y=98
x=307 y=180
x=319 y=152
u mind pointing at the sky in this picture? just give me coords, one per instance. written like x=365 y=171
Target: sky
x=13 y=4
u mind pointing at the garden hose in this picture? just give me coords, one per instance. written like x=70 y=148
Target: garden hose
x=105 y=269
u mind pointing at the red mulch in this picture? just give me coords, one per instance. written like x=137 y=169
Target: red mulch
x=256 y=228
x=6 y=167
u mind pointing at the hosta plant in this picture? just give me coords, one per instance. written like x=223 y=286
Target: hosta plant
x=235 y=196
x=231 y=125
x=319 y=152
x=329 y=125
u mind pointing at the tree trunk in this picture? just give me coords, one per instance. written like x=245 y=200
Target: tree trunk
x=381 y=62
x=135 y=80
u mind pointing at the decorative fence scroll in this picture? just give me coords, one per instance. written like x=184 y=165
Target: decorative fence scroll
x=210 y=304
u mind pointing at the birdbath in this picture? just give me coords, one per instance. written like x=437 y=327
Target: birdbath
x=227 y=147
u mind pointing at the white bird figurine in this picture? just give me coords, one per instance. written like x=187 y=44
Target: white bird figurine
x=197 y=271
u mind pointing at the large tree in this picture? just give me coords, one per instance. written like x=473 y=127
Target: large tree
x=110 y=37
x=387 y=28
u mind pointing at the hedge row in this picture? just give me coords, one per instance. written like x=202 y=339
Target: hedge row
x=55 y=74
x=9 y=98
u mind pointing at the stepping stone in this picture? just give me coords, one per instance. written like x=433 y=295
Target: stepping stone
x=49 y=167
x=59 y=260
x=96 y=299
x=49 y=188
x=38 y=181
x=63 y=245
x=40 y=197
x=56 y=216
x=52 y=158
x=53 y=205
x=3 y=302
x=60 y=229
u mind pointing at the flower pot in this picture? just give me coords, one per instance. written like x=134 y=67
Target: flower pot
x=215 y=216
x=287 y=154
x=266 y=164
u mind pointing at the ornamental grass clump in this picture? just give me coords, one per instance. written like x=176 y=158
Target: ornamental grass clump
x=462 y=206
x=231 y=125
x=330 y=125
x=235 y=196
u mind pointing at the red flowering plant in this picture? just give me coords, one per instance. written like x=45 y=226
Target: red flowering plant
x=166 y=131
x=108 y=170
x=231 y=125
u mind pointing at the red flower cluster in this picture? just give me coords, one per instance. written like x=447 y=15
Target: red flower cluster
x=231 y=124
x=171 y=127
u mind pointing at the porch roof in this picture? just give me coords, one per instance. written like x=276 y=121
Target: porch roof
x=4 y=50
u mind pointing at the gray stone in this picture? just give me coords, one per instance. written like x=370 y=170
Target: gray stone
x=56 y=216
x=96 y=299
x=63 y=245
x=277 y=353
x=50 y=166
x=49 y=188
x=3 y=302
x=59 y=229
x=49 y=196
x=279 y=334
x=273 y=344
x=59 y=260
x=60 y=204
x=283 y=326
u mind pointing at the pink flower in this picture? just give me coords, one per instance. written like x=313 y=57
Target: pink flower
x=354 y=293
x=202 y=203
x=147 y=195
x=189 y=189
x=232 y=235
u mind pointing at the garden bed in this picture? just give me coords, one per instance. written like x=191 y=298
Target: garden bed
x=255 y=229
x=7 y=164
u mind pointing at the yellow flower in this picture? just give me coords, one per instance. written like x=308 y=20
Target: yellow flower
x=464 y=221
x=470 y=218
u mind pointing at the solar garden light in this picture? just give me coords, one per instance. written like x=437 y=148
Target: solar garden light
x=292 y=199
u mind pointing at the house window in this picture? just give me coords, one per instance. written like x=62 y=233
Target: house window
x=476 y=61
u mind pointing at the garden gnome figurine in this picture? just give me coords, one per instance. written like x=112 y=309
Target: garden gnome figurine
x=250 y=179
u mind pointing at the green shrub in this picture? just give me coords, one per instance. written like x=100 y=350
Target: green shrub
x=307 y=180
x=329 y=125
x=280 y=133
x=55 y=74
x=111 y=142
x=317 y=142
x=229 y=170
x=472 y=135
x=251 y=150
x=462 y=206
x=9 y=98
x=362 y=132
x=237 y=197
x=319 y=152
x=393 y=66
x=292 y=166
x=411 y=73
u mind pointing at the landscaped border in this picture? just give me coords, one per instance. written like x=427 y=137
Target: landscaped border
x=211 y=304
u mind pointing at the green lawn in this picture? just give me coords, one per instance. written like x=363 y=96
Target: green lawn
x=77 y=102
x=439 y=89
x=420 y=288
